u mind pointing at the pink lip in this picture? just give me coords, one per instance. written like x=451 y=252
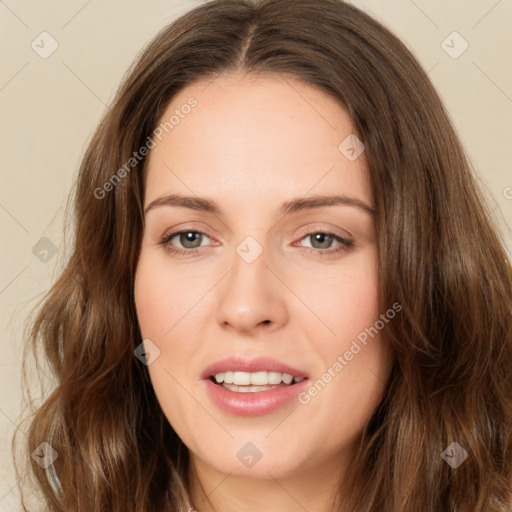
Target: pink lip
x=259 y=364
x=252 y=404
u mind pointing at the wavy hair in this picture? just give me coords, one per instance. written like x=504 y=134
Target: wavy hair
x=440 y=256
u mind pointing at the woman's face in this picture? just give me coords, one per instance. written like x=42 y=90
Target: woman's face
x=268 y=282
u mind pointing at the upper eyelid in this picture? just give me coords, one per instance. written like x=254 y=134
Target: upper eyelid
x=315 y=228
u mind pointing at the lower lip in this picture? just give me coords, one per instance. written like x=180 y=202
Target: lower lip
x=253 y=404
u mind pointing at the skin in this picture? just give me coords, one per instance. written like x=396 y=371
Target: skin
x=250 y=144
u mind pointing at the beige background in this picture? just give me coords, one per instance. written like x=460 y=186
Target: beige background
x=49 y=108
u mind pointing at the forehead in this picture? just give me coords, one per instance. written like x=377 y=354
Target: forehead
x=254 y=136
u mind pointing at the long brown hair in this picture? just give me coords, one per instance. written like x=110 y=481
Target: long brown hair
x=440 y=257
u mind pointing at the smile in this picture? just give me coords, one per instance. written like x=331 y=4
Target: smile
x=253 y=382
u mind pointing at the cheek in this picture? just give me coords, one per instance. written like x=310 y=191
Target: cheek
x=161 y=296
x=160 y=306
x=346 y=301
x=164 y=303
x=354 y=358
x=148 y=291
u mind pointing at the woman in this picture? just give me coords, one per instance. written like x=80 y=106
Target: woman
x=257 y=369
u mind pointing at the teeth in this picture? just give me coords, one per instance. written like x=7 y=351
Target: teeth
x=287 y=378
x=255 y=378
x=247 y=389
x=273 y=377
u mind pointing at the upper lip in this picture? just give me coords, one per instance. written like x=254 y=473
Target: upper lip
x=258 y=364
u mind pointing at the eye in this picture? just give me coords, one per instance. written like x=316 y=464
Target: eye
x=188 y=239
x=321 y=242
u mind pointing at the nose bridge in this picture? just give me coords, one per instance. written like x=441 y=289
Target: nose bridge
x=251 y=293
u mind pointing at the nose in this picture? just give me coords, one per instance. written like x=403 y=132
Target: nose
x=251 y=296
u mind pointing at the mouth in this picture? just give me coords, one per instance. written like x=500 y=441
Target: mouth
x=252 y=387
x=254 y=382
x=242 y=375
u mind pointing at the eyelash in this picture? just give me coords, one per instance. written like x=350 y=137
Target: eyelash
x=345 y=244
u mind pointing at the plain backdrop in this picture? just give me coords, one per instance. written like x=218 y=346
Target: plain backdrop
x=50 y=105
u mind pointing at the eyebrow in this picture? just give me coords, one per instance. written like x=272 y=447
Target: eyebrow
x=206 y=205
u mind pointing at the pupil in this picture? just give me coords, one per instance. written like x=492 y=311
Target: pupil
x=190 y=237
x=319 y=236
